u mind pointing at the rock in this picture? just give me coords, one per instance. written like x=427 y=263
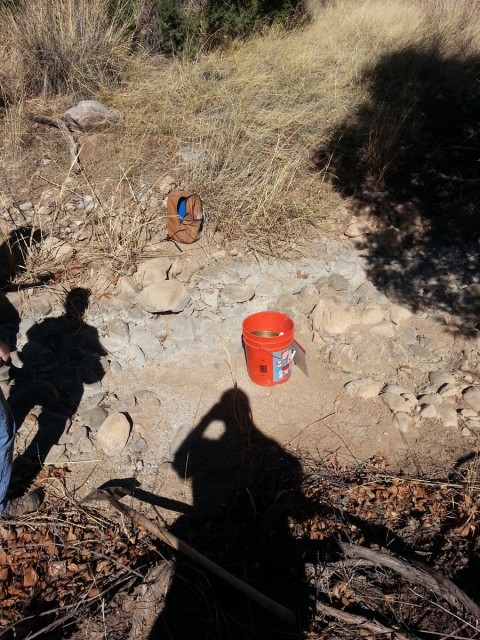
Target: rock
x=395 y=388
x=90 y=114
x=398 y=403
x=170 y=295
x=471 y=398
x=287 y=304
x=468 y=413
x=115 y=367
x=430 y=398
x=448 y=390
x=440 y=377
x=182 y=330
x=140 y=445
x=113 y=434
x=428 y=411
x=40 y=305
x=152 y=271
x=57 y=250
x=127 y=288
x=363 y=388
x=94 y=418
x=237 y=293
x=402 y=422
x=447 y=415
x=466 y=433
x=399 y=314
x=370 y=315
x=383 y=330
x=333 y=316
x=56 y=454
x=118 y=330
x=307 y=299
x=148 y=342
x=356 y=229
x=268 y=288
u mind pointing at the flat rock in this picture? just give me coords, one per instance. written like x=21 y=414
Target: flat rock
x=333 y=317
x=471 y=398
x=370 y=315
x=56 y=455
x=363 y=388
x=447 y=415
x=448 y=390
x=90 y=114
x=40 y=305
x=398 y=403
x=308 y=299
x=428 y=411
x=237 y=293
x=402 y=422
x=399 y=314
x=395 y=388
x=440 y=377
x=113 y=434
x=430 y=398
x=94 y=418
x=152 y=271
x=169 y=295
x=118 y=330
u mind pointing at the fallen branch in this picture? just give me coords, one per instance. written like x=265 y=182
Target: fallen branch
x=73 y=146
x=459 y=179
x=415 y=571
x=359 y=621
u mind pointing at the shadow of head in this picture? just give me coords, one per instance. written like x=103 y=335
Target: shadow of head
x=76 y=303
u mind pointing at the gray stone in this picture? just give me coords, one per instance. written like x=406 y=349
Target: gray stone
x=471 y=398
x=148 y=342
x=267 y=288
x=57 y=250
x=383 y=330
x=468 y=413
x=371 y=315
x=169 y=295
x=140 y=445
x=447 y=415
x=402 y=422
x=333 y=317
x=398 y=403
x=113 y=434
x=182 y=330
x=127 y=287
x=440 y=377
x=428 y=411
x=448 y=390
x=399 y=314
x=134 y=354
x=94 y=418
x=342 y=356
x=308 y=299
x=363 y=388
x=237 y=293
x=90 y=114
x=115 y=367
x=56 y=455
x=40 y=305
x=154 y=270
x=395 y=388
x=118 y=330
x=430 y=398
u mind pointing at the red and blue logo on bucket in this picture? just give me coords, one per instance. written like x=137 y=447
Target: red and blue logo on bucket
x=282 y=364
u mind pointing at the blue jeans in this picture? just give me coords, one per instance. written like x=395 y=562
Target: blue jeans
x=7 y=435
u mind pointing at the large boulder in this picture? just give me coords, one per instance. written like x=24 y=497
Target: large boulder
x=161 y=297
x=90 y=114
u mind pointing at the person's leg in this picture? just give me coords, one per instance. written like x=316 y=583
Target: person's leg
x=7 y=435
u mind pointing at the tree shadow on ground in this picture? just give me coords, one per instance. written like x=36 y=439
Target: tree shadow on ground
x=408 y=159
x=245 y=487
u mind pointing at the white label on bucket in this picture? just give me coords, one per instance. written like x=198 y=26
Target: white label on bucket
x=282 y=364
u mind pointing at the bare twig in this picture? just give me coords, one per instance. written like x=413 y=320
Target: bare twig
x=359 y=621
x=73 y=146
x=459 y=179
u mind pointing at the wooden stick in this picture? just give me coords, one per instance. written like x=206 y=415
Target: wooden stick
x=73 y=146
x=282 y=613
x=415 y=571
x=358 y=621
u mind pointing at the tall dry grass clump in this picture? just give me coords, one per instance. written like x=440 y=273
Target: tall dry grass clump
x=54 y=47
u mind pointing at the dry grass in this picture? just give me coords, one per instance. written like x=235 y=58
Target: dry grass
x=257 y=111
x=61 y=47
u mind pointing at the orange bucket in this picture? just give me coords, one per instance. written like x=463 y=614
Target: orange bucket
x=268 y=339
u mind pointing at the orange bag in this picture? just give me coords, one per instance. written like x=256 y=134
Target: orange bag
x=184 y=216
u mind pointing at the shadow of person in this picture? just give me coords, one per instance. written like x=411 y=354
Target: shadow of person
x=61 y=355
x=245 y=487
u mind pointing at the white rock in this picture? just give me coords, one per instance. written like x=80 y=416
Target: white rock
x=363 y=388
x=237 y=293
x=333 y=316
x=90 y=114
x=402 y=422
x=448 y=390
x=439 y=378
x=428 y=411
x=127 y=288
x=448 y=416
x=371 y=315
x=169 y=295
x=398 y=403
x=40 y=305
x=308 y=299
x=430 y=398
x=395 y=388
x=383 y=330
x=471 y=397
x=113 y=434
x=399 y=314
x=468 y=413
x=56 y=454
x=152 y=271
x=466 y=433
